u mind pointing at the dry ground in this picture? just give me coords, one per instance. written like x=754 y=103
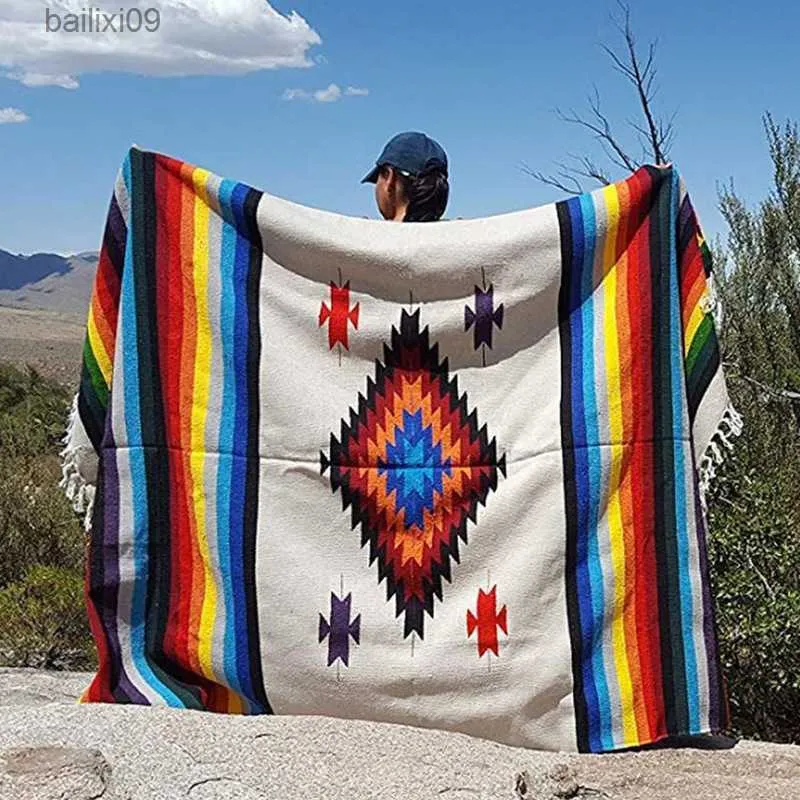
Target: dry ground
x=49 y=341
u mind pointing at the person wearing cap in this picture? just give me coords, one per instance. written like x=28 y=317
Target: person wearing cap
x=411 y=180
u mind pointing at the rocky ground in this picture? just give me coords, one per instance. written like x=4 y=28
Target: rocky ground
x=52 y=748
x=49 y=341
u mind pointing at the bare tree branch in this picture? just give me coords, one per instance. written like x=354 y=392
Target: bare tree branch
x=568 y=184
x=779 y=394
x=568 y=178
x=654 y=134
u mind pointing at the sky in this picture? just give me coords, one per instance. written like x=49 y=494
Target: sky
x=297 y=99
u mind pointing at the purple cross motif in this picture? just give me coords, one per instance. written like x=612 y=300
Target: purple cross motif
x=483 y=318
x=339 y=630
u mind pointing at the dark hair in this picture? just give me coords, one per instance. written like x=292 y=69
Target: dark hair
x=427 y=195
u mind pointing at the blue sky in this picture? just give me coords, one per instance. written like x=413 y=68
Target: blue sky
x=482 y=79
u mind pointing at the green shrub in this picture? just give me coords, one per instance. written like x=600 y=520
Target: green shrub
x=755 y=558
x=32 y=412
x=43 y=621
x=37 y=523
x=42 y=542
x=755 y=507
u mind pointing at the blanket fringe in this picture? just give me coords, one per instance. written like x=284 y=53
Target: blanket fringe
x=730 y=427
x=710 y=302
x=78 y=491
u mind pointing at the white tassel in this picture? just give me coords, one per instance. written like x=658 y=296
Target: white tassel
x=710 y=302
x=78 y=490
x=730 y=427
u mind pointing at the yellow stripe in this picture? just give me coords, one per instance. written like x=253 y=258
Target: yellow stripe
x=611 y=338
x=694 y=322
x=98 y=348
x=200 y=395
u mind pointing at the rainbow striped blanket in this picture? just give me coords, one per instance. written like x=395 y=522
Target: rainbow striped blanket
x=444 y=475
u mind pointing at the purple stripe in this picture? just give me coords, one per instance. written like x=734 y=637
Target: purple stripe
x=715 y=715
x=121 y=687
x=116 y=236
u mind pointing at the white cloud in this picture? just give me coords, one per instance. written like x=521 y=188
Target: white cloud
x=38 y=79
x=330 y=94
x=9 y=116
x=194 y=37
x=294 y=94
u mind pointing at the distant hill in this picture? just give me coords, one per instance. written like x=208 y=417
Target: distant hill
x=47 y=281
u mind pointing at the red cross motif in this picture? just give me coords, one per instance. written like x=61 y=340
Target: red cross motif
x=339 y=315
x=487 y=622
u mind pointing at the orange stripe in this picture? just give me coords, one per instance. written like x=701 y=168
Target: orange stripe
x=693 y=298
x=195 y=569
x=103 y=327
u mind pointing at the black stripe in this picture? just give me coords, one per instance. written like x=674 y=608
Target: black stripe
x=672 y=666
x=92 y=414
x=705 y=367
x=687 y=229
x=143 y=210
x=570 y=485
x=253 y=460
x=657 y=387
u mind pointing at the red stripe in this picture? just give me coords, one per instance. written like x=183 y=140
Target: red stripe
x=692 y=299
x=105 y=302
x=165 y=242
x=183 y=207
x=99 y=690
x=642 y=470
x=691 y=267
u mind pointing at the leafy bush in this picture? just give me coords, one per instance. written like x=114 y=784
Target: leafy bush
x=755 y=507
x=42 y=611
x=44 y=620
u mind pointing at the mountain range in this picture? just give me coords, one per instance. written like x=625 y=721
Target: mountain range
x=47 y=281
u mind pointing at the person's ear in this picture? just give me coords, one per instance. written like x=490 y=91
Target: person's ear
x=393 y=183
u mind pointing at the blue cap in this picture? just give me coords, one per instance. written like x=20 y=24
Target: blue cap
x=411 y=153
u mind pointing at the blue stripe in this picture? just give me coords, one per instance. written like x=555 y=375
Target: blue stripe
x=133 y=430
x=239 y=457
x=681 y=503
x=581 y=478
x=589 y=411
x=226 y=431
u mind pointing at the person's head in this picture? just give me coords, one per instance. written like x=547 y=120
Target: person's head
x=410 y=177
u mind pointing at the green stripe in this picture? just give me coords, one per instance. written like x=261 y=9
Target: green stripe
x=95 y=374
x=708 y=260
x=704 y=331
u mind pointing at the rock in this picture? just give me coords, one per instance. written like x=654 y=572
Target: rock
x=33 y=687
x=143 y=753
x=53 y=773
x=564 y=778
